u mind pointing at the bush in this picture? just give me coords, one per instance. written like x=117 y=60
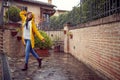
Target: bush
x=39 y=44
x=13 y=14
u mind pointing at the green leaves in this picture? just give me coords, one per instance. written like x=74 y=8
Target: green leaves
x=57 y=22
x=13 y=14
x=87 y=11
x=39 y=44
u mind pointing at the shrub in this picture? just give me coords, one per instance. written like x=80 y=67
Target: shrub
x=39 y=44
x=13 y=14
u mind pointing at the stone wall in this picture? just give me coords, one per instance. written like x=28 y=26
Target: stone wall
x=56 y=35
x=58 y=39
x=98 y=47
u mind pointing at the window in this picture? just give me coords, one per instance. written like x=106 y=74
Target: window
x=46 y=18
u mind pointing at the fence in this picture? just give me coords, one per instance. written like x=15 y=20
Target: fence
x=95 y=9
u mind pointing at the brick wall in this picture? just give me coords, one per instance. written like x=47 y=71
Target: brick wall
x=98 y=47
x=12 y=47
x=15 y=48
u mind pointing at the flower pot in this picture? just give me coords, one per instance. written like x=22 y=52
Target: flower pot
x=57 y=48
x=64 y=31
x=71 y=36
x=13 y=33
x=42 y=52
x=19 y=38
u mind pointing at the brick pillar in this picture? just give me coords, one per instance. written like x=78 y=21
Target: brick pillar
x=66 y=38
x=12 y=46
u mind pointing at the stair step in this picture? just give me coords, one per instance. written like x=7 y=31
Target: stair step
x=1 y=33
x=1 y=40
x=1 y=44
x=1 y=50
x=1 y=37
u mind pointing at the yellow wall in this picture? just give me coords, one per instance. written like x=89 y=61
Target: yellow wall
x=32 y=8
x=57 y=13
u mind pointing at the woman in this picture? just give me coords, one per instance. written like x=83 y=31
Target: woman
x=28 y=32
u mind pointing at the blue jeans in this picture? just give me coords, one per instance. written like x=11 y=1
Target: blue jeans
x=29 y=50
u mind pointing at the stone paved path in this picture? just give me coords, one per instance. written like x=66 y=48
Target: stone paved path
x=59 y=66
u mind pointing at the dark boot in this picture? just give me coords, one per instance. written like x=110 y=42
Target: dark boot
x=25 y=67
x=39 y=62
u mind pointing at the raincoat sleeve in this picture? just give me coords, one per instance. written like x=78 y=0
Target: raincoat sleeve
x=36 y=31
x=22 y=15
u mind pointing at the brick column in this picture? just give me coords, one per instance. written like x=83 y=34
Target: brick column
x=66 y=38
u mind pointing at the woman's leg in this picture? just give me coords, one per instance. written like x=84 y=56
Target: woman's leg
x=34 y=53
x=27 y=51
x=36 y=56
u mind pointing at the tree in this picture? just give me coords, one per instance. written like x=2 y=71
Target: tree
x=57 y=22
x=53 y=22
x=87 y=11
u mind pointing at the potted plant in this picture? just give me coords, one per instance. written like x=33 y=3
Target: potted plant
x=43 y=48
x=70 y=34
x=19 y=38
x=19 y=34
x=12 y=17
x=64 y=31
x=12 y=14
x=13 y=33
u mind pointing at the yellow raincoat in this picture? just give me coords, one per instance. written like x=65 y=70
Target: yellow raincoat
x=33 y=29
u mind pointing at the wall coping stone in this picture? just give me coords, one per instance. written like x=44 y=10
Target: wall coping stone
x=109 y=19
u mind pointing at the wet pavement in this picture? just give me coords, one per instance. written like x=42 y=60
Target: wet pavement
x=58 y=66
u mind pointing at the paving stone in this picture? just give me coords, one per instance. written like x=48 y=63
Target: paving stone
x=58 y=66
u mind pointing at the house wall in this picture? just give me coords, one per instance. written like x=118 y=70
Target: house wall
x=32 y=8
x=97 y=46
x=57 y=13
